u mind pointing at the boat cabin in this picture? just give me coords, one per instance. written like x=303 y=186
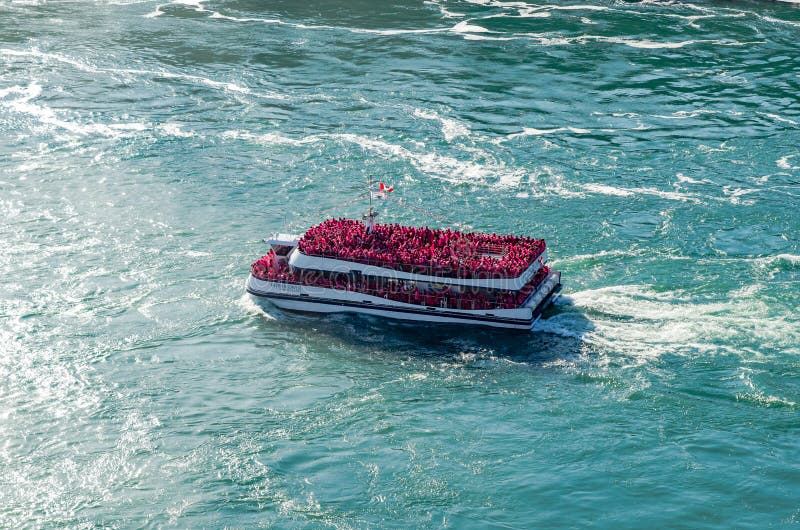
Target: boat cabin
x=282 y=245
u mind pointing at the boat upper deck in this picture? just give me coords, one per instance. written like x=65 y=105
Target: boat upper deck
x=445 y=253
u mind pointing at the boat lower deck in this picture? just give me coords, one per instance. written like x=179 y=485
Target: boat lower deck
x=301 y=298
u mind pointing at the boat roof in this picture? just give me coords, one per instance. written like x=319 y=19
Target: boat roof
x=289 y=240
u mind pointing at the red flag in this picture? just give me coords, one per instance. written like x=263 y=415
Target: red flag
x=382 y=191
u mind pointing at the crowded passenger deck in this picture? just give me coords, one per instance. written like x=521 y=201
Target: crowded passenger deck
x=445 y=253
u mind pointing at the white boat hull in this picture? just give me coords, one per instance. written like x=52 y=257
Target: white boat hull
x=294 y=297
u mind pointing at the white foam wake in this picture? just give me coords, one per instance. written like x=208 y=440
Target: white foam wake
x=482 y=168
x=443 y=10
x=779 y=118
x=525 y=7
x=605 y=189
x=443 y=167
x=689 y=180
x=246 y=302
x=464 y=28
x=781 y=21
x=637 y=321
x=450 y=128
x=550 y=39
x=196 y=4
x=603 y=255
x=683 y=114
x=783 y=162
x=57 y=120
x=577 y=7
x=299 y=25
x=270 y=138
x=777 y=261
x=429 y=162
x=153 y=74
x=47 y=116
x=530 y=131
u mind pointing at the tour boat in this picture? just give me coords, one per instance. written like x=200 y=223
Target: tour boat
x=408 y=273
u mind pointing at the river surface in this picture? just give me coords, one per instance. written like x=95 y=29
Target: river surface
x=147 y=148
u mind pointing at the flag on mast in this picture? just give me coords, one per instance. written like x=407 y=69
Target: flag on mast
x=382 y=192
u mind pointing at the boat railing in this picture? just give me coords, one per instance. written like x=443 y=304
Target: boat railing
x=540 y=286
x=431 y=270
x=441 y=301
x=397 y=292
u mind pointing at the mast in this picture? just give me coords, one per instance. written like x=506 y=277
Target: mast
x=369 y=217
x=369 y=187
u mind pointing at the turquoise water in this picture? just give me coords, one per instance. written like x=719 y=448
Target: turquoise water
x=147 y=148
